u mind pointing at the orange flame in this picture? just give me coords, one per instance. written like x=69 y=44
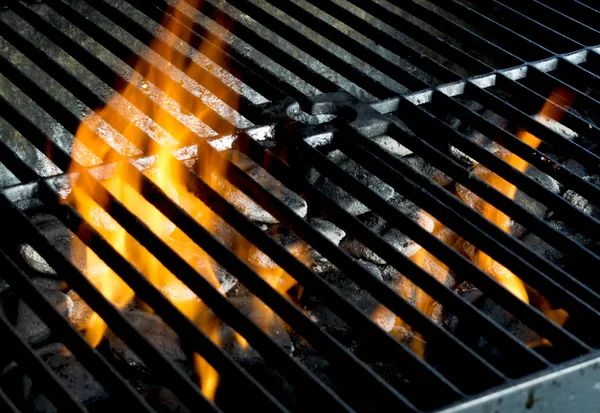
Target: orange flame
x=281 y=282
x=426 y=304
x=504 y=276
x=209 y=378
x=162 y=102
x=166 y=126
x=413 y=294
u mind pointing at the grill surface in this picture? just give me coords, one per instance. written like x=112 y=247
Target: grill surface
x=395 y=68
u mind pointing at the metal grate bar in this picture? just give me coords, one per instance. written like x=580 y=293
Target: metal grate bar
x=202 y=289
x=466 y=211
x=313 y=17
x=385 y=8
x=285 y=52
x=302 y=65
x=577 y=10
x=477 y=89
x=108 y=376
x=145 y=36
x=285 y=253
x=87 y=95
x=570 y=120
x=541 y=81
x=65 y=162
x=430 y=285
x=582 y=221
x=342 y=64
x=556 y=64
x=291 y=265
x=80 y=90
x=360 y=275
x=207 y=293
x=508 y=140
x=562 y=40
x=183 y=26
x=570 y=214
x=586 y=3
x=472 y=40
x=468 y=181
x=34 y=364
x=515 y=145
x=530 y=31
x=386 y=14
x=552 y=17
x=285 y=28
x=218 y=123
x=580 y=73
x=339 y=349
x=464 y=176
x=520 y=117
x=574 y=122
x=181 y=386
x=551 y=328
x=7 y=404
x=537 y=159
x=53 y=108
x=145 y=289
x=368 y=29
x=156 y=12
x=159 y=302
x=184 y=388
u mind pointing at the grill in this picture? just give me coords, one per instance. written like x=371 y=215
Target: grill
x=400 y=88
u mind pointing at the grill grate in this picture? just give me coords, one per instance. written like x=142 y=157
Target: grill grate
x=404 y=69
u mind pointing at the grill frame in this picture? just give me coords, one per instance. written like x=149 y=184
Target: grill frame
x=345 y=105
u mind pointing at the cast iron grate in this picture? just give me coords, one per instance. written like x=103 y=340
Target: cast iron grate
x=306 y=79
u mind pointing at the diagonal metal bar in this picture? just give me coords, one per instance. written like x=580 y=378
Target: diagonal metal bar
x=33 y=364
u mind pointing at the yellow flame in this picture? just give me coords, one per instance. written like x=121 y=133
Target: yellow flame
x=168 y=175
x=209 y=378
x=281 y=282
x=425 y=303
x=504 y=276
x=413 y=294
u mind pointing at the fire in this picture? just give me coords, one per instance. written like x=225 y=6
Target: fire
x=426 y=304
x=410 y=292
x=484 y=261
x=511 y=282
x=165 y=127
x=281 y=282
x=208 y=375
